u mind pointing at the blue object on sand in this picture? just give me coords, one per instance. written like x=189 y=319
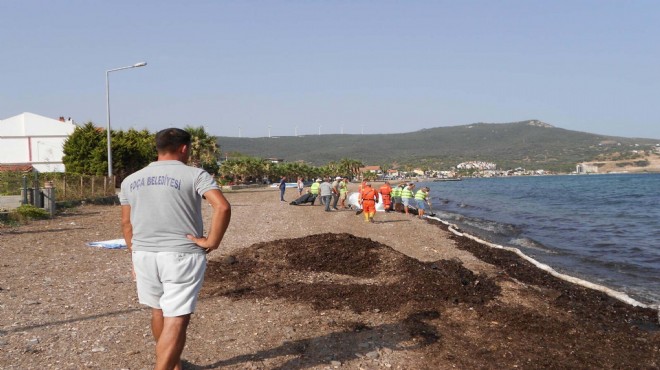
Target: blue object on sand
x=109 y=244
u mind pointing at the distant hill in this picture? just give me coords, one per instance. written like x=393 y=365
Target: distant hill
x=531 y=144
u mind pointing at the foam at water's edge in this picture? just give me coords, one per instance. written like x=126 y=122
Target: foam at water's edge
x=610 y=292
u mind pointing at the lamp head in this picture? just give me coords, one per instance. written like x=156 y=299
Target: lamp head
x=141 y=64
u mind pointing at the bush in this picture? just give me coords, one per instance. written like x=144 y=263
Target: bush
x=30 y=212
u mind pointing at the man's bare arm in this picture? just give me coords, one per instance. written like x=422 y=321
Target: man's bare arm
x=219 y=221
x=126 y=226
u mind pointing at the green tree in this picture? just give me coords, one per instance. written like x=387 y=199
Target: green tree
x=349 y=167
x=204 y=149
x=371 y=176
x=85 y=151
x=243 y=169
x=131 y=151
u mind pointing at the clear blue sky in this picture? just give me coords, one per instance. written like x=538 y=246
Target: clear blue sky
x=377 y=66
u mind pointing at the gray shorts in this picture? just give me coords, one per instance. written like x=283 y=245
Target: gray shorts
x=406 y=201
x=396 y=200
x=169 y=281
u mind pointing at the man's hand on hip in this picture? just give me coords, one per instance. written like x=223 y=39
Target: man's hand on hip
x=203 y=243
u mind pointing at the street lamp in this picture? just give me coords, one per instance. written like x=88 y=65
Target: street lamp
x=107 y=94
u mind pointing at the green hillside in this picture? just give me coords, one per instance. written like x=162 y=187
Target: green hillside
x=530 y=144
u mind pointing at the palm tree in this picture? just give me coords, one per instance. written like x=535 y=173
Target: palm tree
x=204 y=150
x=355 y=167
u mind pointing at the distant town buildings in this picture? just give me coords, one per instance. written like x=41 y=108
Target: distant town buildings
x=476 y=165
x=371 y=169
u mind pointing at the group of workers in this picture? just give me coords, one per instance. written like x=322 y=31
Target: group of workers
x=401 y=198
x=329 y=194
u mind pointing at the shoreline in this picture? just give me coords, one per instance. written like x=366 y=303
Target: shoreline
x=566 y=243
x=621 y=296
x=67 y=304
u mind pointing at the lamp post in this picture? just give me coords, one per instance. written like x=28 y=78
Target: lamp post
x=107 y=95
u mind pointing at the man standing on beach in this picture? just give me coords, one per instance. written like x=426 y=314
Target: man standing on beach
x=423 y=203
x=325 y=189
x=335 y=192
x=407 y=194
x=368 y=198
x=396 y=197
x=282 y=188
x=385 y=191
x=163 y=228
x=343 y=192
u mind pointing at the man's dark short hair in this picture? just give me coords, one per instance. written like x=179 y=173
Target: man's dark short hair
x=170 y=139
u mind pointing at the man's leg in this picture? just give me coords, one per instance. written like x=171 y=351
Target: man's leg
x=156 y=323
x=171 y=341
x=335 y=199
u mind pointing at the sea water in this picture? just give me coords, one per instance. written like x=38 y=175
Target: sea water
x=601 y=228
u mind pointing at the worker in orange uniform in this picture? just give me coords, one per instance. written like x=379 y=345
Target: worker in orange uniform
x=385 y=191
x=368 y=197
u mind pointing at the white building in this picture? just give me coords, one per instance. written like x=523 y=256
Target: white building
x=586 y=168
x=31 y=139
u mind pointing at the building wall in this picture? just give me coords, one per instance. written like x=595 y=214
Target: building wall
x=32 y=139
x=586 y=168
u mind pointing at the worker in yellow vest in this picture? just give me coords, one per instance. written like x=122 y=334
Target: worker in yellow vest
x=406 y=196
x=343 y=193
x=314 y=189
x=423 y=201
x=396 y=197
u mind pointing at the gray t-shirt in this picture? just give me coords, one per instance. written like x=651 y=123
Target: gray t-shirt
x=166 y=205
x=325 y=188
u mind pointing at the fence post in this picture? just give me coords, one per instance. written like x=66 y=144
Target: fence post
x=30 y=195
x=64 y=187
x=49 y=198
x=37 y=199
x=24 y=191
x=82 y=194
x=93 y=181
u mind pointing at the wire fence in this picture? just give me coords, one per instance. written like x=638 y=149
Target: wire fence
x=69 y=187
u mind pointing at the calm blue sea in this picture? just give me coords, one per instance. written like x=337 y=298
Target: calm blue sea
x=601 y=228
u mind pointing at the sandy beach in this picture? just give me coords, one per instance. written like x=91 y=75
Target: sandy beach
x=293 y=287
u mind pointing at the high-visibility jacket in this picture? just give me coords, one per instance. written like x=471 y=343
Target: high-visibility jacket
x=368 y=193
x=396 y=192
x=314 y=189
x=421 y=195
x=385 y=190
x=343 y=188
x=406 y=193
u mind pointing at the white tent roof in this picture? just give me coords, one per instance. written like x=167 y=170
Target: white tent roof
x=30 y=124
